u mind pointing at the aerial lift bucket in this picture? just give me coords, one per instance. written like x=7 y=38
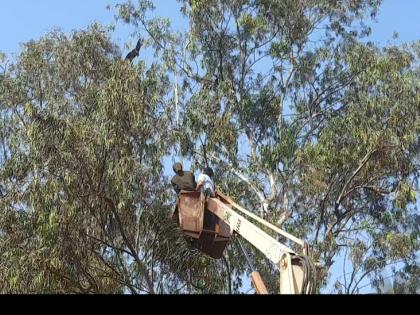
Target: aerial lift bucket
x=207 y=232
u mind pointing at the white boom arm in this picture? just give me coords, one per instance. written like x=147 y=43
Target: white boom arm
x=291 y=276
x=269 y=246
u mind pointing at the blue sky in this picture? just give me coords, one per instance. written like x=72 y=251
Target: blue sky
x=23 y=20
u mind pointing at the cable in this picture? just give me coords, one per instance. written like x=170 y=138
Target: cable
x=242 y=248
x=309 y=275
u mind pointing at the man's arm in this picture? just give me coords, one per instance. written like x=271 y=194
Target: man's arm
x=199 y=183
x=175 y=186
x=198 y=186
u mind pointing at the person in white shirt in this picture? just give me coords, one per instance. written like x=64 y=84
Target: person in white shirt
x=205 y=183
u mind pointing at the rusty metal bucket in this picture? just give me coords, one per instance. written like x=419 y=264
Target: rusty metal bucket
x=209 y=234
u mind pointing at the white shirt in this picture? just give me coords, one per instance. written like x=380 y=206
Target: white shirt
x=207 y=183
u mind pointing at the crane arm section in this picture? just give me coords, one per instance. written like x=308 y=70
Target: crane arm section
x=297 y=273
x=269 y=246
x=262 y=221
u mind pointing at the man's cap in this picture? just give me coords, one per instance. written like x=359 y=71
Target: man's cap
x=177 y=167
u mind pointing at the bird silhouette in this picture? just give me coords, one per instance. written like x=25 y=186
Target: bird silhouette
x=135 y=52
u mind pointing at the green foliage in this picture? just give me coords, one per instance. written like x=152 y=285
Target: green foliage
x=81 y=176
x=320 y=124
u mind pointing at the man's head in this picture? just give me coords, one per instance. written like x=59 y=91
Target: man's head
x=208 y=171
x=177 y=167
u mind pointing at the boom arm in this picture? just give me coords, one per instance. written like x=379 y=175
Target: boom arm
x=269 y=246
x=293 y=277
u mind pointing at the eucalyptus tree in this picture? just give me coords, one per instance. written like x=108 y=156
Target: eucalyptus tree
x=84 y=205
x=302 y=118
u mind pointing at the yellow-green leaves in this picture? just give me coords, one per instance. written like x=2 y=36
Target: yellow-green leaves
x=84 y=138
x=199 y=5
x=405 y=194
x=251 y=24
x=280 y=50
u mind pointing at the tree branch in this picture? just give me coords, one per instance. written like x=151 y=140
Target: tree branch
x=134 y=253
x=258 y=192
x=361 y=165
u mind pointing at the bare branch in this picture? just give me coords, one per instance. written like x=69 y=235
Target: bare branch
x=359 y=168
x=246 y=179
x=134 y=253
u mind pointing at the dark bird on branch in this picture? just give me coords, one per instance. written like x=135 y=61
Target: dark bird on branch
x=135 y=52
